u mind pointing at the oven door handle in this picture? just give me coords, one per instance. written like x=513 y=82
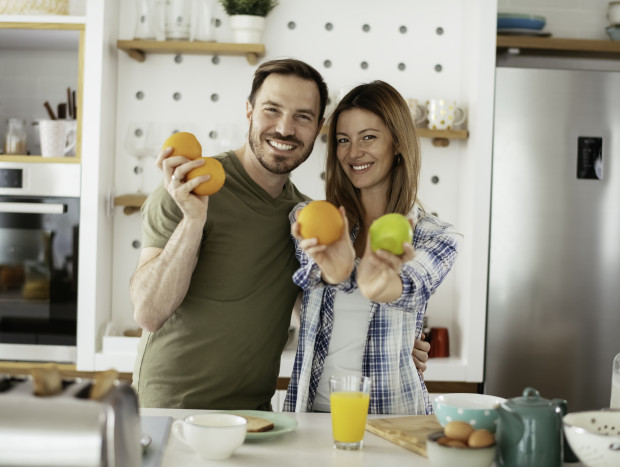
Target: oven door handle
x=33 y=208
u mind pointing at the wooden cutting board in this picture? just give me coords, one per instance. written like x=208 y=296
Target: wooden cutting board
x=409 y=432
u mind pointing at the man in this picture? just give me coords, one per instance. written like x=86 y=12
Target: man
x=213 y=289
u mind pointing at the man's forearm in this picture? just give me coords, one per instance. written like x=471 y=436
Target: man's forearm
x=162 y=278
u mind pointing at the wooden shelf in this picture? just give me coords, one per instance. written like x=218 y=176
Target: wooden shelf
x=130 y=202
x=40 y=159
x=138 y=49
x=548 y=46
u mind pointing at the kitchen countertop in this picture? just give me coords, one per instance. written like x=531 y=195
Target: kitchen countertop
x=310 y=444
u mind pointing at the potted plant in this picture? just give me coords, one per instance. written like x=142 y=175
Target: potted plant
x=247 y=18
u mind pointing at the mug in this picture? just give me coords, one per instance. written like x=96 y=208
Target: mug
x=419 y=112
x=444 y=114
x=213 y=436
x=440 y=343
x=58 y=137
x=613 y=13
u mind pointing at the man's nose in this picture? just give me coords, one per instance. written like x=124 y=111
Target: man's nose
x=286 y=125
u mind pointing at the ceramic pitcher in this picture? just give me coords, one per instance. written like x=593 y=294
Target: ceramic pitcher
x=529 y=432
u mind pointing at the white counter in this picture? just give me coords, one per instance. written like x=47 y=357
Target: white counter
x=310 y=444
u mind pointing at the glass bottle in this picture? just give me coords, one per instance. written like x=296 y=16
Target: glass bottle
x=16 y=137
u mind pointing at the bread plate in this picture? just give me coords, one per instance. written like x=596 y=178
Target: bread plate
x=281 y=423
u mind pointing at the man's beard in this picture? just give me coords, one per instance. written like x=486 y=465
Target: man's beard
x=277 y=164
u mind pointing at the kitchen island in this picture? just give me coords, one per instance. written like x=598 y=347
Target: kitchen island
x=310 y=444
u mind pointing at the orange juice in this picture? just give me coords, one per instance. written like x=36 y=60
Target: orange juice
x=349 y=410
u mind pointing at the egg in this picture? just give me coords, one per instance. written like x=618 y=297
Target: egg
x=458 y=430
x=455 y=443
x=480 y=439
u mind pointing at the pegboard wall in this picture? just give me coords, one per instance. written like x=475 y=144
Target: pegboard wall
x=417 y=46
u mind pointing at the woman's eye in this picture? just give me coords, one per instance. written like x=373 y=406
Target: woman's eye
x=368 y=137
x=342 y=140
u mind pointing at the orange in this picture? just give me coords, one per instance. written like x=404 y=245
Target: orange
x=320 y=220
x=211 y=167
x=184 y=144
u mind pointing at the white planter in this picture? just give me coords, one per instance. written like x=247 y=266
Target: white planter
x=247 y=29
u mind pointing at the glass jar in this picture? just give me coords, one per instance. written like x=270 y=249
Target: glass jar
x=16 y=137
x=614 y=402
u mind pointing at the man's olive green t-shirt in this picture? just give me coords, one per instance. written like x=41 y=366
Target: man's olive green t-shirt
x=221 y=348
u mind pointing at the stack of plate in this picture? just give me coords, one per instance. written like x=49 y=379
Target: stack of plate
x=520 y=24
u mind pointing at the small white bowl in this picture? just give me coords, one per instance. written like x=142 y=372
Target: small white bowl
x=594 y=436
x=450 y=456
x=479 y=410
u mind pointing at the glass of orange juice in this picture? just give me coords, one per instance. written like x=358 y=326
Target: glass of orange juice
x=349 y=397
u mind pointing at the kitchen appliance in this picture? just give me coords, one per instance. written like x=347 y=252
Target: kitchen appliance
x=68 y=429
x=39 y=233
x=553 y=317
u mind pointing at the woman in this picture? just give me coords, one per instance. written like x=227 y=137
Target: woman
x=362 y=310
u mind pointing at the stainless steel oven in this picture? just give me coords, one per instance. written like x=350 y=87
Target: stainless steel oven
x=39 y=233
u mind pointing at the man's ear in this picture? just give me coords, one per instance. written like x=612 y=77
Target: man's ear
x=248 y=110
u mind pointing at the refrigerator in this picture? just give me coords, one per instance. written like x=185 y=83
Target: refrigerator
x=553 y=309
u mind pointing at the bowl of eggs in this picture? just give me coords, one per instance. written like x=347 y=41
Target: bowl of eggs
x=461 y=444
x=479 y=410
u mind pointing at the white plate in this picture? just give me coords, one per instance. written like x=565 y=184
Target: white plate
x=522 y=32
x=281 y=423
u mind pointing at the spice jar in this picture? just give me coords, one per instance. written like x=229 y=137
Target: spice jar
x=16 y=137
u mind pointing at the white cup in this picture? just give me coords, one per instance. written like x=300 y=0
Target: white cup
x=58 y=137
x=444 y=114
x=613 y=13
x=419 y=112
x=213 y=436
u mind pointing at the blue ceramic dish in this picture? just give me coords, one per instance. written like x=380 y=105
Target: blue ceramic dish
x=517 y=21
x=613 y=32
x=479 y=410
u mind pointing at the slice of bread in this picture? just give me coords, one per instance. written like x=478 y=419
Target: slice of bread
x=258 y=424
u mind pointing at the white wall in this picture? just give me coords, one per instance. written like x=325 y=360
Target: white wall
x=425 y=49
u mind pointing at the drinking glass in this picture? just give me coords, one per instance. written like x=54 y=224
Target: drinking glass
x=349 y=399
x=614 y=402
x=136 y=145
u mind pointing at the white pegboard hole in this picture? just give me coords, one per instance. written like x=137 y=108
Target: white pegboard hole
x=178 y=58
x=136 y=244
x=403 y=29
x=139 y=95
x=329 y=26
x=402 y=66
x=176 y=96
x=434 y=179
x=366 y=27
x=215 y=60
x=438 y=68
x=291 y=25
x=327 y=63
x=439 y=31
x=215 y=97
x=364 y=65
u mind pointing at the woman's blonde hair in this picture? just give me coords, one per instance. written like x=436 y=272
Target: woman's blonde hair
x=386 y=102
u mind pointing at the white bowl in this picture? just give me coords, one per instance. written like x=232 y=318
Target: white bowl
x=479 y=410
x=594 y=436
x=450 y=456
